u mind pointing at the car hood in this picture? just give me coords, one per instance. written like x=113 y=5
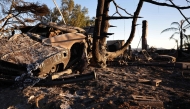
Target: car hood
x=65 y=40
x=21 y=49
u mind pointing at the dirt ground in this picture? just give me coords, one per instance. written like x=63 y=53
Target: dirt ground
x=114 y=88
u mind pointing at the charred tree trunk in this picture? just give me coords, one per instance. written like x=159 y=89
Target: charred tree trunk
x=104 y=29
x=101 y=28
x=181 y=44
x=144 y=34
x=100 y=55
x=97 y=28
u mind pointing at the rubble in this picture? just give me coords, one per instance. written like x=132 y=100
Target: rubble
x=156 y=82
x=143 y=98
x=112 y=89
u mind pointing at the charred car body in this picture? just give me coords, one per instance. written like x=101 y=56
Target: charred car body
x=42 y=51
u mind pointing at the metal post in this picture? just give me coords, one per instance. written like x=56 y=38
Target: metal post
x=60 y=12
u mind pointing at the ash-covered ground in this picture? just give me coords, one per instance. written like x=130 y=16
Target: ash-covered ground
x=114 y=88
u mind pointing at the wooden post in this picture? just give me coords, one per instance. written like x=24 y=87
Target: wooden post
x=144 y=34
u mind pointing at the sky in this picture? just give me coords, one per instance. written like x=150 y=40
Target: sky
x=158 y=18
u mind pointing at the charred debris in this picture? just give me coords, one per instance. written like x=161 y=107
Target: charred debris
x=51 y=54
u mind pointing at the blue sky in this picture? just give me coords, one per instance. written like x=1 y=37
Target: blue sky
x=158 y=17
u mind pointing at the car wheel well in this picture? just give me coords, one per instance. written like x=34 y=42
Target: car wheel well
x=60 y=67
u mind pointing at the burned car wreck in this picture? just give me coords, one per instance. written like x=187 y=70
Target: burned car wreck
x=43 y=51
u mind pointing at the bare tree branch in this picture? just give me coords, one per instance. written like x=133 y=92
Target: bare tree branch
x=180 y=11
x=168 y=5
x=22 y=22
x=132 y=33
x=6 y=21
x=5 y=18
x=117 y=12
